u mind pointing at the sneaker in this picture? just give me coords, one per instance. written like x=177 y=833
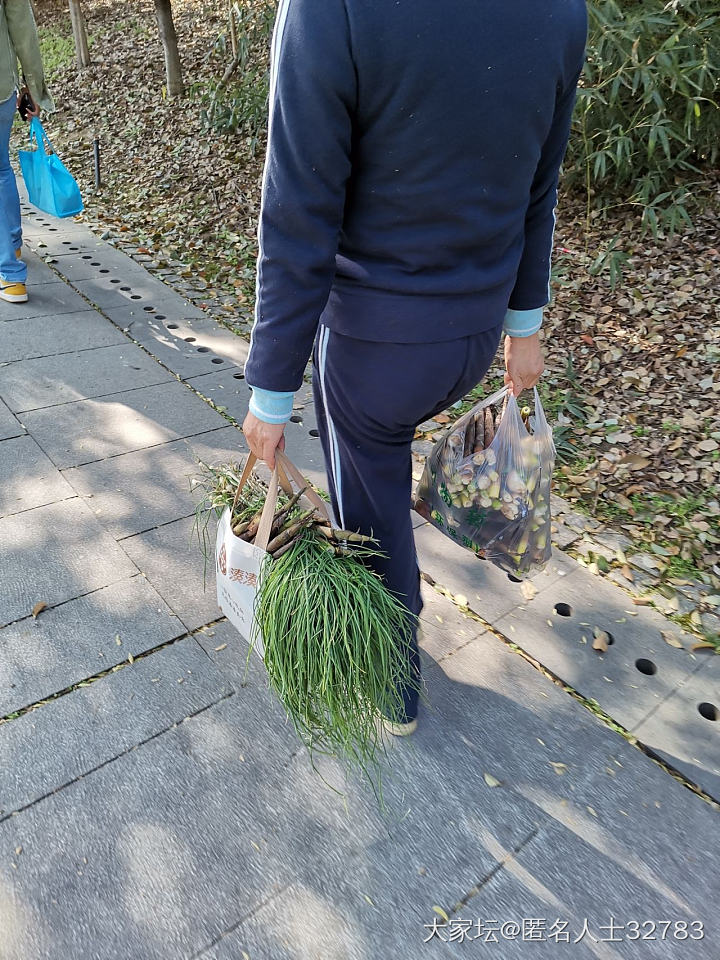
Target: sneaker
x=13 y=292
x=399 y=729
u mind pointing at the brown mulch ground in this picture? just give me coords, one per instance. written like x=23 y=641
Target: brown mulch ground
x=640 y=405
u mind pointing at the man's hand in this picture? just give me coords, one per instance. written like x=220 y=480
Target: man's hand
x=264 y=438
x=32 y=111
x=524 y=362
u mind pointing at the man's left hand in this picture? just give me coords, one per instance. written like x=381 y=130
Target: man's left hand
x=264 y=438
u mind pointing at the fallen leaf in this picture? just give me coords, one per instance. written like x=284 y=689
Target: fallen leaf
x=368 y=900
x=38 y=608
x=460 y=599
x=558 y=767
x=601 y=639
x=705 y=645
x=671 y=640
x=442 y=418
x=221 y=647
x=441 y=913
x=641 y=601
x=590 y=810
x=528 y=589
x=491 y=781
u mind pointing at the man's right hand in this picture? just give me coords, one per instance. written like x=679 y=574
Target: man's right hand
x=264 y=438
x=32 y=111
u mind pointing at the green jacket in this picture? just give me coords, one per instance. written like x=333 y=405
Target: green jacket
x=19 y=41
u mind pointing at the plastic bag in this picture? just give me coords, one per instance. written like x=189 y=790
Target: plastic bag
x=486 y=484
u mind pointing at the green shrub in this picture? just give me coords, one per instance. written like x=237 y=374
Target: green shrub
x=647 y=121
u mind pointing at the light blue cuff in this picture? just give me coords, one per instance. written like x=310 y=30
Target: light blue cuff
x=271 y=406
x=523 y=323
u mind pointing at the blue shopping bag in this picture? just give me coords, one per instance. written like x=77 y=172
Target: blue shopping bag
x=50 y=185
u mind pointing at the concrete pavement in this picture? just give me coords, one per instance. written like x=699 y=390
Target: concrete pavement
x=154 y=801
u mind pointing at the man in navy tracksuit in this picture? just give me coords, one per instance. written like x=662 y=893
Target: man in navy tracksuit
x=407 y=221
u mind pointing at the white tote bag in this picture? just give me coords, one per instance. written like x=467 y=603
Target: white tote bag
x=238 y=564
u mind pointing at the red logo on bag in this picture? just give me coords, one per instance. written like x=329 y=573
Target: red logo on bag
x=243 y=576
x=222 y=561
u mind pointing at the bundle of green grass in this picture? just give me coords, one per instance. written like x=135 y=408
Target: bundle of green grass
x=335 y=638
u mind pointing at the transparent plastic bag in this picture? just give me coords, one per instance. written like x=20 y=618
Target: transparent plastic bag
x=486 y=484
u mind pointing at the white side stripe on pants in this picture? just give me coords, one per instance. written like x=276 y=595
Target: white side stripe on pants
x=334 y=464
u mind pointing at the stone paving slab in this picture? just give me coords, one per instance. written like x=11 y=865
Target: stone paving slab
x=506 y=719
x=191 y=347
x=171 y=558
x=38 y=271
x=634 y=861
x=487 y=588
x=140 y=289
x=105 y=261
x=10 y=426
x=63 y=242
x=75 y=733
x=55 y=553
x=46 y=381
x=79 y=639
x=77 y=433
x=48 y=336
x=444 y=627
x=684 y=729
x=44 y=300
x=151 y=856
x=618 y=679
x=136 y=491
x=28 y=478
x=125 y=316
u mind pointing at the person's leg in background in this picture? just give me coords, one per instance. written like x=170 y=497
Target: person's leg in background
x=369 y=399
x=12 y=270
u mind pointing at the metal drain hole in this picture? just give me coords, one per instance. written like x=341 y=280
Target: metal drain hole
x=238 y=376
x=295 y=419
x=148 y=308
x=87 y=257
x=216 y=360
x=66 y=243
x=75 y=249
x=172 y=326
x=159 y=316
x=104 y=270
x=190 y=339
x=646 y=666
x=563 y=609
x=708 y=710
x=203 y=349
x=134 y=296
x=314 y=433
x=94 y=263
x=115 y=280
x=123 y=288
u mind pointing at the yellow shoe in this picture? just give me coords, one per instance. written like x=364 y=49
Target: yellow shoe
x=13 y=292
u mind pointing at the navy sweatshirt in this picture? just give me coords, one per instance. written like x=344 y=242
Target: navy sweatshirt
x=411 y=174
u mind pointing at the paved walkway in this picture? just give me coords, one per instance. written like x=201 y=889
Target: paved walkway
x=154 y=802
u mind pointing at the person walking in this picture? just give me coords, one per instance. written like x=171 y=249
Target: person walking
x=18 y=41
x=406 y=222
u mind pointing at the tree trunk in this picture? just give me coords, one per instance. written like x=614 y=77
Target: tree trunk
x=82 y=50
x=173 y=67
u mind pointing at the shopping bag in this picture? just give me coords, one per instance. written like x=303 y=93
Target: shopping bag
x=239 y=565
x=50 y=185
x=486 y=484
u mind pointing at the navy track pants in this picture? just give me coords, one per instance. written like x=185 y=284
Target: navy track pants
x=369 y=398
